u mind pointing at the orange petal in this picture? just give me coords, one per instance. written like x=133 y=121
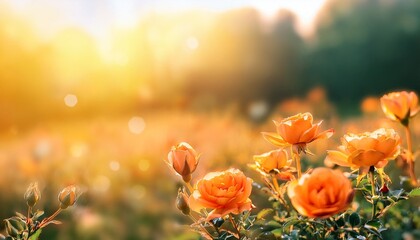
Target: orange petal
x=275 y=139
x=338 y=158
x=325 y=134
x=366 y=158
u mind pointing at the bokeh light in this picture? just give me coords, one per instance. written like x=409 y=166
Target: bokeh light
x=95 y=93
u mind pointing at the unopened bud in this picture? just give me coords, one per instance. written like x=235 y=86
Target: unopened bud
x=14 y=226
x=384 y=189
x=67 y=197
x=184 y=160
x=32 y=194
x=182 y=202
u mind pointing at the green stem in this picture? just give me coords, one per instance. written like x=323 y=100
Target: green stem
x=215 y=228
x=50 y=218
x=372 y=182
x=410 y=158
x=278 y=195
x=28 y=220
x=296 y=158
x=190 y=188
x=235 y=226
x=202 y=227
x=276 y=185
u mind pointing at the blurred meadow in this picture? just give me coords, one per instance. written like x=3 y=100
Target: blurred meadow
x=95 y=93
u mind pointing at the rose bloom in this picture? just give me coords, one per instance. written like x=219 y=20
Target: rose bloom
x=366 y=149
x=297 y=130
x=225 y=192
x=183 y=159
x=400 y=106
x=321 y=194
x=272 y=161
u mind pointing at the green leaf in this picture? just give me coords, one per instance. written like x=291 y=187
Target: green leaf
x=36 y=235
x=266 y=236
x=290 y=223
x=354 y=219
x=414 y=193
x=273 y=224
x=376 y=224
x=20 y=215
x=264 y=213
x=37 y=214
x=277 y=232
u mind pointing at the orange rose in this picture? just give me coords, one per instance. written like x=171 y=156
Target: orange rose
x=272 y=161
x=400 y=106
x=297 y=130
x=224 y=192
x=321 y=194
x=183 y=159
x=366 y=149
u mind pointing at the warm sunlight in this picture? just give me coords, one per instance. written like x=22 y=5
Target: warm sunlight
x=216 y=120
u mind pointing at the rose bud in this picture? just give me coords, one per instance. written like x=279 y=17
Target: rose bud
x=32 y=194
x=14 y=226
x=384 y=189
x=183 y=159
x=182 y=202
x=67 y=197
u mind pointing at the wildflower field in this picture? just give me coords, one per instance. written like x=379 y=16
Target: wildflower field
x=209 y=120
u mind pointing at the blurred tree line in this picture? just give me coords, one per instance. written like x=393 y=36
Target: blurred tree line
x=359 y=48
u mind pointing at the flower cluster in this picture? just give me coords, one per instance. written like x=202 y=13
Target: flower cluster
x=319 y=203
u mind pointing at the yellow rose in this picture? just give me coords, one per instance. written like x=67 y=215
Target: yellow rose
x=400 y=106
x=321 y=194
x=366 y=149
x=183 y=159
x=224 y=192
x=297 y=130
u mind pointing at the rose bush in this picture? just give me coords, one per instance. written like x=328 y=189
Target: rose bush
x=317 y=204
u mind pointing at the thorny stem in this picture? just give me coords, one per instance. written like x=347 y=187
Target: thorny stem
x=410 y=159
x=45 y=221
x=296 y=157
x=276 y=184
x=202 y=227
x=28 y=220
x=235 y=226
x=372 y=182
x=216 y=228
x=278 y=195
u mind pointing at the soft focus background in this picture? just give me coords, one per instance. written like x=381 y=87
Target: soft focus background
x=95 y=93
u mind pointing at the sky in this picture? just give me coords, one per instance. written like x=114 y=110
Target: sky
x=99 y=16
